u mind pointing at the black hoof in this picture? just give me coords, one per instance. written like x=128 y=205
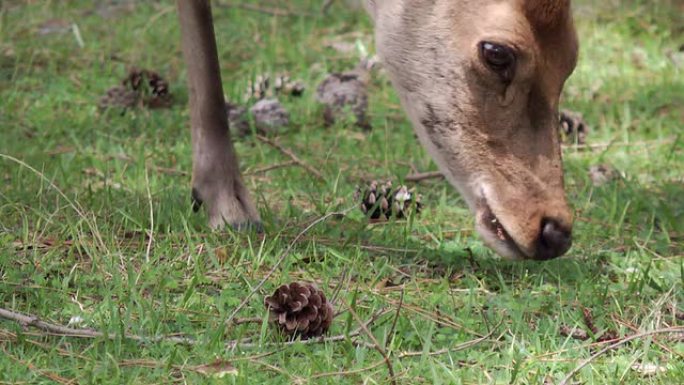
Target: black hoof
x=196 y=200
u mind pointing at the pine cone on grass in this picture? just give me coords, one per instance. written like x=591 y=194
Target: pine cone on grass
x=381 y=202
x=342 y=93
x=573 y=128
x=119 y=96
x=269 y=115
x=283 y=84
x=237 y=119
x=265 y=86
x=139 y=87
x=300 y=309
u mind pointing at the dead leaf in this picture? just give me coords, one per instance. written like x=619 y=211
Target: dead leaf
x=221 y=254
x=601 y=174
x=217 y=369
x=92 y=171
x=43 y=243
x=343 y=47
x=54 y=26
x=574 y=333
x=61 y=149
x=646 y=369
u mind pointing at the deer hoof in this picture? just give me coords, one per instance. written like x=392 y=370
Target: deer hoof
x=227 y=207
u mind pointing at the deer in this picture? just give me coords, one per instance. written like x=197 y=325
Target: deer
x=480 y=81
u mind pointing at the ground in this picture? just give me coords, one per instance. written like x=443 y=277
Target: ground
x=96 y=225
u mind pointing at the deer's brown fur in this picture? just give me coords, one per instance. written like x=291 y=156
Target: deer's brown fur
x=495 y=141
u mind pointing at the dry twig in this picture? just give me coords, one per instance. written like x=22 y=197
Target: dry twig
x=267 y=10
x=326 y=5
x=291 y=155
x=616 y=144
x=52 y=329
x=390 y=335
x=35 y=322
x=376 y=344
x=571 y=374
x=421 y=176
x=276 y=166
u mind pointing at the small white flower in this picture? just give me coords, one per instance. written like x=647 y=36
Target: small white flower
x=76 y=321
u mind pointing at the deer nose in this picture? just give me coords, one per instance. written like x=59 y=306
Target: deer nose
x=554 y=240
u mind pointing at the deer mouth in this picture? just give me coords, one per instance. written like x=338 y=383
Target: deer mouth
x=494 y=233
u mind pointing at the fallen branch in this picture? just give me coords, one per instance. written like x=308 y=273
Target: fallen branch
x=291 y=155
x=276 y=166
x=613 y=143
x=390 y=335
x=421 y=176
x=64 y=331
x=326 y=5
x=266 y=10
x=35 y=322
x=251 y=320
x=572 y=373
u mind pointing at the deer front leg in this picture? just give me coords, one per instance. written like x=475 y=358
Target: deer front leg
x=216 y=179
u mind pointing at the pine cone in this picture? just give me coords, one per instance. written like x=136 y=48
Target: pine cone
x=382 y=203
x=344 y=92
x=134 y=79
x=300 y=309
x=601 y=174
x=119 y=96
x=266 y=86
x=573 y=128
x=285 y=85
x=258 y=88
x=269 y=115
x=150 y=86
x=341 y=93
x=237 y=119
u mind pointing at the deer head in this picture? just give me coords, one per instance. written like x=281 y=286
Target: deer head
x=481 y=81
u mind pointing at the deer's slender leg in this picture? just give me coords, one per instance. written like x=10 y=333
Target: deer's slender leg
x=216 y=179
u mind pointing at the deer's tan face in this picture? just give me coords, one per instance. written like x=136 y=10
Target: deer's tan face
x=481 y=79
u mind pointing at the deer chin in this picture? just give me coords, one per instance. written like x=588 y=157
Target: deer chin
x=493 y=231
x=494 y=234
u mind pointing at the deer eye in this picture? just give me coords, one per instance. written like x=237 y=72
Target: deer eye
x=499 y=58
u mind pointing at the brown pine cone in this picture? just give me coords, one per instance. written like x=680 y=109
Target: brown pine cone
x=267 y=86
x=237 y=119
x=573 y=128
x=283 y=84
x=300 y=309
x=119 y=96
x=374 y=200
x=270 y=116
x=150 y=86
x=345 y=92
x=134 y=80
x=158 y=86
x=601 y=174
x=380 y=202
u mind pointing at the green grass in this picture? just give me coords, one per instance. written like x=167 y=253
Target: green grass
x=77 y=211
